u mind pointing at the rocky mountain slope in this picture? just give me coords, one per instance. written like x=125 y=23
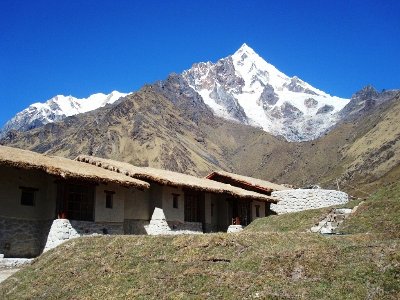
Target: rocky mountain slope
x=358 y=154
x=144 y=129
x=167 y=125
x=242 y=87
x=245 y=88
x=57 y=109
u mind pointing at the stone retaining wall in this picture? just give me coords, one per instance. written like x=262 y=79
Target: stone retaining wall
x=303 y=199
x=63 y=230
x=132 y=226
x=158 y=225
x=22 y=238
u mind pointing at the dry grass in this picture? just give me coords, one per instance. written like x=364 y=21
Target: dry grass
x=295 y=222
x=288 y=264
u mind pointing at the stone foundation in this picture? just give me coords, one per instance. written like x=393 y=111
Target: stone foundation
x=90 y=228
x=22 y=238
x=158 y=225
x=303 y=199
x=135 y=226
x=63 y=230
x=234 y=228
x=211 y=228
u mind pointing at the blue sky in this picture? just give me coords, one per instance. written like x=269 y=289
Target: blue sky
x=82 y=47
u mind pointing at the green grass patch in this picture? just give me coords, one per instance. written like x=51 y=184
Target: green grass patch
x=294 y=222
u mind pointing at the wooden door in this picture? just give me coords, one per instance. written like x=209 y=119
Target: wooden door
x=194 y=206
x=76 y=201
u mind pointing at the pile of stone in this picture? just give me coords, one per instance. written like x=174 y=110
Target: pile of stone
x=332 y=221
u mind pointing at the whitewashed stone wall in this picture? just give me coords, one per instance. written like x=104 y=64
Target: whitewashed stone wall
x=159 y=225
x=63 y=229
x=303 y=199
x=234 y=228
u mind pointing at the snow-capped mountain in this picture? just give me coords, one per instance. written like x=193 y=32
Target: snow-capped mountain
x=56 y=109
x=245 y=88
x=241 y=87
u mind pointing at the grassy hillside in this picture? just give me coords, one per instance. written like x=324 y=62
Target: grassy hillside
x=274 y=258
x=297 y=221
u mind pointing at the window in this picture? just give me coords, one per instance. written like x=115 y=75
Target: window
x=175 y=200
x=257 y=211
x=109 y=199
x=80 y=202
x=28 y=196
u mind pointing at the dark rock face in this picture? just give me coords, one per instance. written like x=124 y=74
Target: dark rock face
x=289 y=111
x=225 y=75
x=365 y=101
x=286 y=111
x=176 y=90
x=325 y=109
x=268 y=96
x=220 y=78
x=295 y=86
x=222 y=72
x=227 y=100
x=310 y=103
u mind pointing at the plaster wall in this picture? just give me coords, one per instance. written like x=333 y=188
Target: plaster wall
x=11 y=179
x=253 y=209
x=114 y=214
x=171 y=213
x=137 y=205
x=155 y=196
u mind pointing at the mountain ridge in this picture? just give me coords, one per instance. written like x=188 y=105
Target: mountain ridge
x=242 y=87
x=56 y=109
x=160 y=126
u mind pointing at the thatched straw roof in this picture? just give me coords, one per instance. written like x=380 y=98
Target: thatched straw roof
x=254 y=184
x=170 y=178
x=64 y=168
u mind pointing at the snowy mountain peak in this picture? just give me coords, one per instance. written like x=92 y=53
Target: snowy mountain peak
x=245 y=49
x=242 y=87
x=246 y=88
x=56 y=109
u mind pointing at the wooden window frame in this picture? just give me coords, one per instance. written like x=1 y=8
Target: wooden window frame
x=175 y=201
x=257 y=210
x=31 y=192
x=109 y=199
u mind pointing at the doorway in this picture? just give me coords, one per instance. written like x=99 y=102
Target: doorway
x=75 y=201
x=240 y=212
x=194 y=206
